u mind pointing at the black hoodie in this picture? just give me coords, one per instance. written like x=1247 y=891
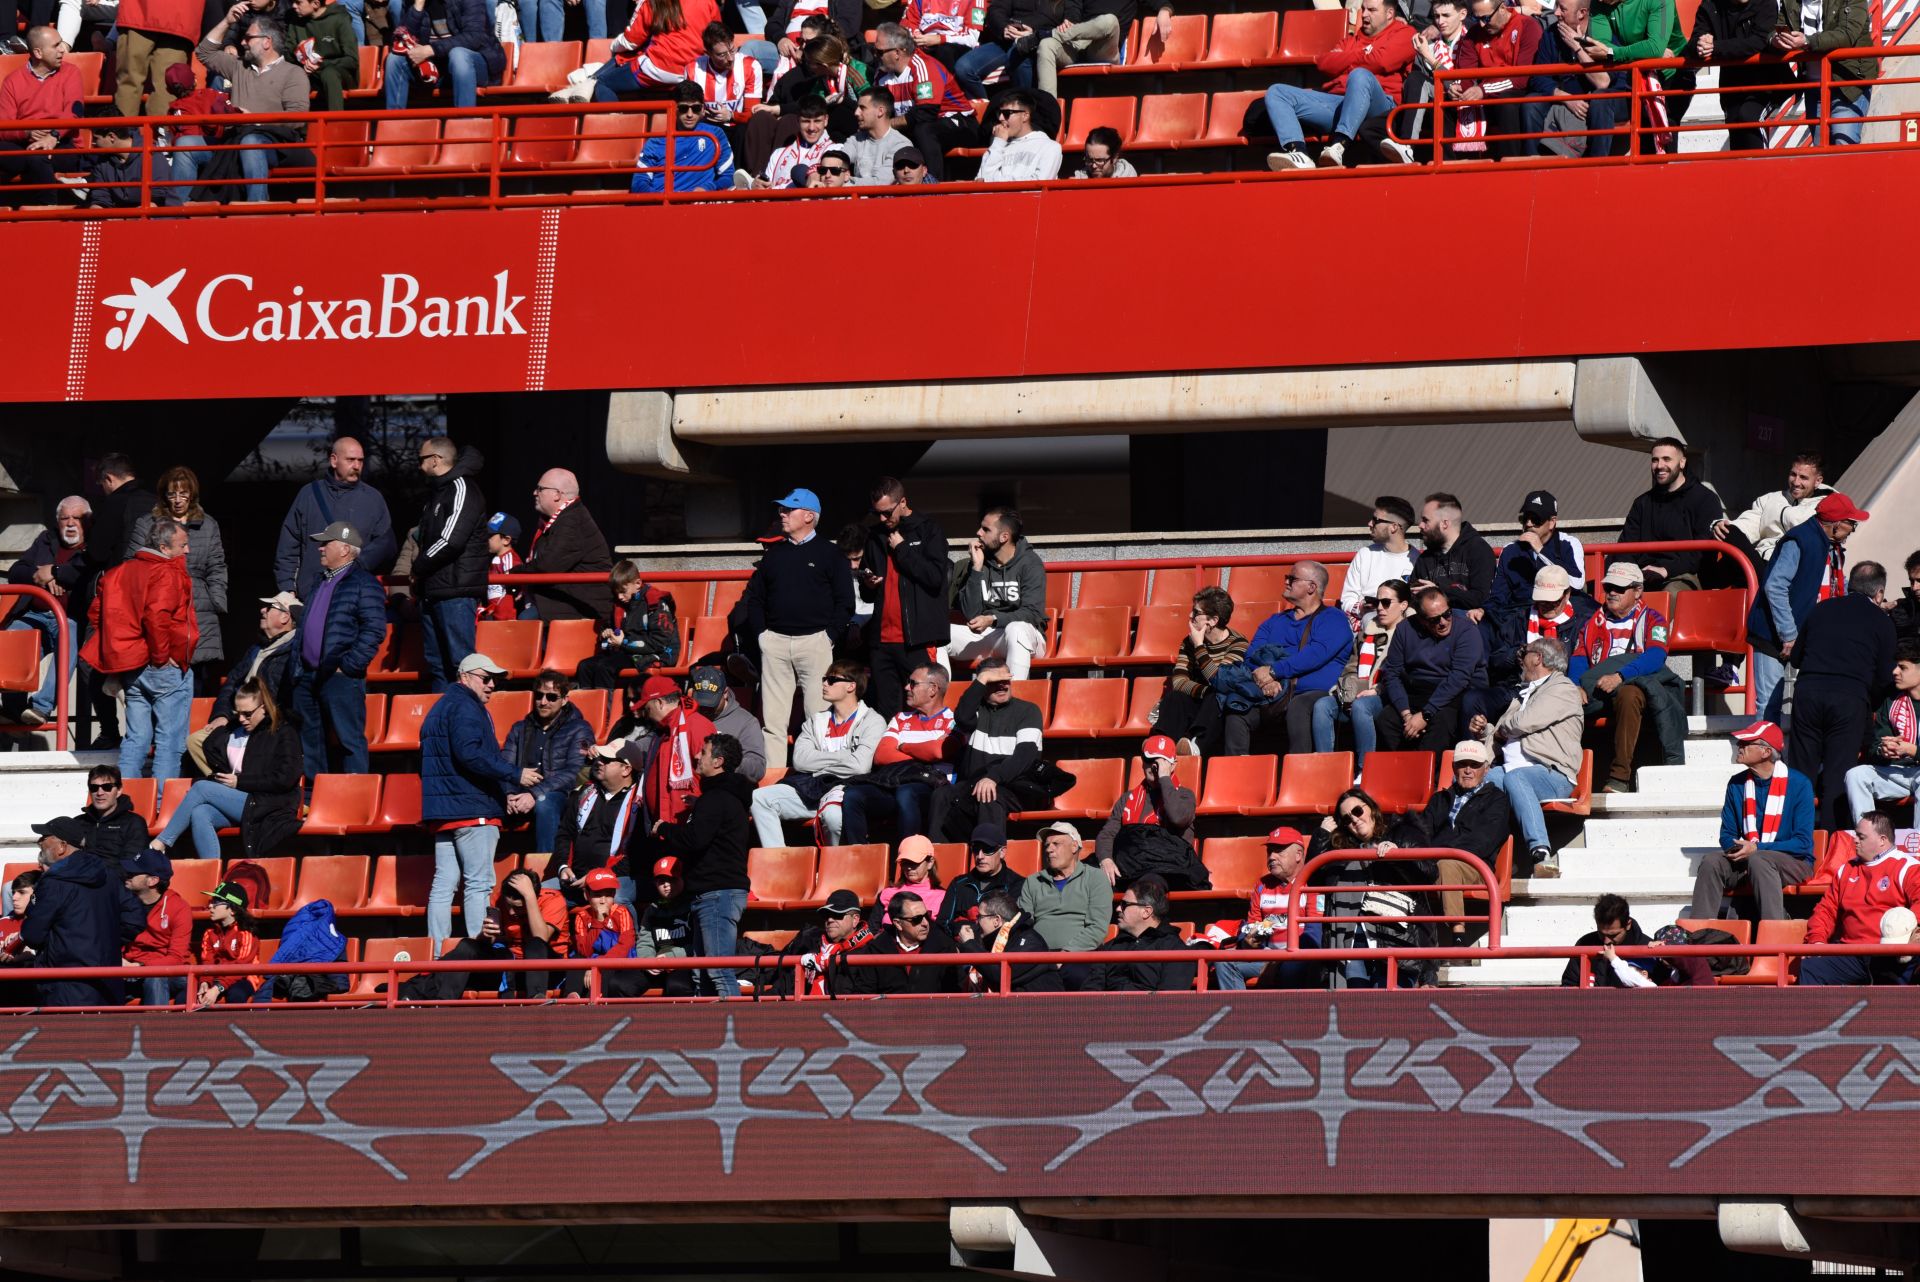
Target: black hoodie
x=712 y=841
x=1464 y=571
x=1124 y=975
x=118 y=834
x=1669 y=516
x=453 y=557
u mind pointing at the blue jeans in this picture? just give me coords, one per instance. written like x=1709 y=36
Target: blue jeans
x=1290 y=108
x=208 y=808
x=1526 y=788
x=864 y=802
x=1767 y=675
x=615 y=82
x=159 y=703
x=764 y=52
x=163 y=992
x=716 y=933
x=544 y=19
x=42 y=700
x=337 y=702
x=465 y=71
x=546 y=819
x=977 y=64
x=256 y=164
x=464 y=855
x=446 y=633
x=1232 y=976
x=753 y=16
x=357 y=15
x=1327 y=714
x=1609 y=113
x=1843 y=117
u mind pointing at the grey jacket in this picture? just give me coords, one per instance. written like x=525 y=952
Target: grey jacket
x=737 y=721
x=207 y=567
x=1548 y=727
x=1012 y=593
x=811 y=755
x=873 y=157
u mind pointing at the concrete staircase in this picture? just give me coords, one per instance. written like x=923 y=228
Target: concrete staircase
x=34 y=787
x=1645 y=845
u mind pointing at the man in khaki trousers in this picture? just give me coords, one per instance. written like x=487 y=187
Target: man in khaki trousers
x=798 y=602
x=154 y=35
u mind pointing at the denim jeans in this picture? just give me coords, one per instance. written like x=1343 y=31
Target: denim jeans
x=163 y=992
x=357 y=15
x=1768 y=672
x=208 y=807
x=616 y=82
x=1327 y=714
x=465 y=71
x=546 y=819
x=446 y=634
x=543 y=19
x=1843 y=117
x=1232 y=976
x=1290 y=108
x=764 y=52
x=1526 y=788
x=1609 y=113
x=464 y=855
x=42 y=700
x=864 y=802
x=753 y=16
x=716 y=933
x=977 y=64
x=159 y=704
x=337 y=702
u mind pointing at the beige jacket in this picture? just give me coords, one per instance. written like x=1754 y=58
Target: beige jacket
x=1548 y=727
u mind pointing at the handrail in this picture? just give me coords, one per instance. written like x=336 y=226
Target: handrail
x=1302 y=893
x=62 y=664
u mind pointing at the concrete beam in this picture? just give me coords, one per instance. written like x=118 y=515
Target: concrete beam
x=640 y=439
x=1616 y=403
x=1775 y=1228
x=1003 y=1241
x=1884 y=480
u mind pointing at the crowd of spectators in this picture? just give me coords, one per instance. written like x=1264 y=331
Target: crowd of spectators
x=808 y=97
x=1435 y=644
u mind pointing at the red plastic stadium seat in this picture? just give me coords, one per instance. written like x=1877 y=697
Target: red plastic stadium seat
x=1024 y=856
x=1162 y=629
x=467 y=145
x=541 y=140
x=405 y=712
x=1581 y=802
x=402 y=660
x=1311 y=782
x=1088 y=708
x=92 y=68
x=1399 y=781
x=1097 y=784
x=1244 y=39
x=1188 y=39
x=779 y=875
x=403 y=144
x=1502 y=874
x=172 y=793
x=1035 y=690
x=399 y=802
x=194 y=878
x=508 y=708
x=376 y=717
x=1170 y=120
x=541 y=67
x=1176 y=587
x=726 y=595
x=372 y=65
x=1087 y=114
x=704 y=636
x=568 y=642
x=143 y=795
x=1112 y=587
x=1059 y=589
x=598 y=50
x=1256 y=583
x=400 y=884
x=1239 y=785
x=951 y=859
x=12 y=870
x=593 y=705
x=1146 y=697
x=1713 y=620
x=1739 y=928
x=343 y=804
x=1090 y=637
x=1766 y=970
x=861 y=869
x=389 y=950
x=341 y=879
x=20 y=660
x=514 y=645
x=1305 y=34
x=200 y=713
x=11 y=62
x=614 y=139
x=1237 y=863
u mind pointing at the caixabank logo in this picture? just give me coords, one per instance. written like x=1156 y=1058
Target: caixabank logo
x=232 y=308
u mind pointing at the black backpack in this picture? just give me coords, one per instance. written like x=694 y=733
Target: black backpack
x=1720 y=965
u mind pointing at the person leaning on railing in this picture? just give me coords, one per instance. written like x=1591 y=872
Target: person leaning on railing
x=1841 y=24
x=1620 y=33
x=1728 y=33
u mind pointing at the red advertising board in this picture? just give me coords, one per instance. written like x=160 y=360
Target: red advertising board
x=1081 y=279
x=1759 y=1092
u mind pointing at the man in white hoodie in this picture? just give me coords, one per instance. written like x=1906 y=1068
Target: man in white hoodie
x=1760 y=528
x=835 y=745
x=1020 y=153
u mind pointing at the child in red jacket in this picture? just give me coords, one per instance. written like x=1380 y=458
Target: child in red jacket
x=228 y=941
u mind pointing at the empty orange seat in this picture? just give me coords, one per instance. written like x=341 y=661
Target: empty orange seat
x=861 y=869
x=389 y=950
x=540 y=140
x=1183 y=44
x=1305 y=34
x=951 y=859
x=1024 y=856
x=1246 y=39
x=402 y=144
x=1310 y=782
x=1239 y=785
x=1090 y=637
x=399 y=802
x=1161 y=631
x=1711 y=620
x=376 y=717
x=568 y=642
x=1176 y=587
x=779 y=875
x=399 y=657
x=20 y=660
x=593 y=706
x=726 y=595
x=200 y=713
x=405 y=712
x=1146 y=697
x=705 y=637
x=513 y=645
x=142 y=794
x=1113 y=587
x=1255 y=583
x=539 y=67
x=1088 y=707
x=508 y=708
x=613 y=139
x=1399 y=781
x=1236 y=863
x=340 y=879
x=343 y=804
x=172 y=793
x=467 y=145
x=1059 y=589
x=372 y=65
x=1097 y=784
x=1086 y=115
x=1766 y=970
x=193 y=878
x=1035 y=690
x=400 y=884
x=1171 y=119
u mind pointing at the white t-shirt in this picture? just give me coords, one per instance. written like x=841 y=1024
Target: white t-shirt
x=1372 y=566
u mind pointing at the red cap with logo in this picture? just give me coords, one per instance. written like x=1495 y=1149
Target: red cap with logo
x=1285 y=836
x=600 y=879
x=1762 y=732
x=1838 y=507
x=666 y=867
x=1161 y=746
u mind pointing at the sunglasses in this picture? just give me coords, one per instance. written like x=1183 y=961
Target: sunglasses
x=1378 y=602
x=985 y=850
x=103 y=787
x=1354 y=813
x=541 y=697
x=914 y=921
x=1618 y=589
x=488 y=679
x=1008 y=113
x=833 y=169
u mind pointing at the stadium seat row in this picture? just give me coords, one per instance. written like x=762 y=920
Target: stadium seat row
x=1258 y=39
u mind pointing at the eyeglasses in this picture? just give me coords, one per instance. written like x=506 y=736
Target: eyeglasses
x=539 y=488
x=913 y=921
x=541 y=696
x=1298 y=578
x=884 y=512
x=1381 y=520
x=1130 y=903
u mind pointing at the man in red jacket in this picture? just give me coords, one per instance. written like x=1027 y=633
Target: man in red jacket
x=167 y=937
x=44 y=89
x=1497 y=36
x=1364 y=73
x=1877 y=878
x=154 y=35
x=143 y=631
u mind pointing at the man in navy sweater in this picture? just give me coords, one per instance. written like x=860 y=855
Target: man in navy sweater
x=1430 y=667
x=798 y=600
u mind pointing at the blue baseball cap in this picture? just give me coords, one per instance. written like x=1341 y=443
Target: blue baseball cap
x=805 y=500
x=503 y=523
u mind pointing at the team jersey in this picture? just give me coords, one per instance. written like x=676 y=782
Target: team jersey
x=953 y=22
x=914 y=736
x=780 y=168
x=593 y=937
x=925 y=83
x=740 y=89
x=1608 y=638
x=802 y=10
x=232 y=946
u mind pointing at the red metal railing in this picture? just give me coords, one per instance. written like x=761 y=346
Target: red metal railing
x=1303 y=894
x=62 y=664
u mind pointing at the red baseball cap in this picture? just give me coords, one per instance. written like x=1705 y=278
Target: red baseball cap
x=1762 y=732
x=1285 y=836
x=600 y=879
x=1161 y=746
x=1838 y=507
x=666 y=867
x=659 y=688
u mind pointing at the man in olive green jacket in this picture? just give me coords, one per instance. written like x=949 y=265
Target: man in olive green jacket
x=1844 y=24
x=1068 y=901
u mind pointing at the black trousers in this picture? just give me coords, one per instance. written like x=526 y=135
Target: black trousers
x=1296 y=714
x=1187 y=716
x=1830 y=723
x=933 y=133
x=448 y=985
x=1442 y=728
x=893 y=663
x=953 y=812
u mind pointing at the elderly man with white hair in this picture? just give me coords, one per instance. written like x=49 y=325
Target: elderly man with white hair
x=57 y=562
x=1537 y=741
x=566 y=541
x=1766 y=829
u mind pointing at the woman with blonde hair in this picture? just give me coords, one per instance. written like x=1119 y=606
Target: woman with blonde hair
x=255 y=784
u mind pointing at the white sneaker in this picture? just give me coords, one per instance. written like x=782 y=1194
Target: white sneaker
x=1280 y=161
x=1187 y=748
x=1398 y=152
x=1333 y=155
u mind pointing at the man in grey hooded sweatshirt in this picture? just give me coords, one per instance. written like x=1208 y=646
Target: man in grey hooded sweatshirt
x=1003 y=594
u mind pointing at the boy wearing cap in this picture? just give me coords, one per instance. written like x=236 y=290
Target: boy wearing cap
x=1766 y=829
x=1845 y=659
x=1157 y=801
x=603 y=928
x=666 y=930
x=836 y=745
x=166 y=933
x=1620 y=661
x=503 y=603
x=798 y=601
x=342 y=627
x=1809 y=566
x=1266 y=925
x=1891 y=768
x=641 y=634
x=711 y=843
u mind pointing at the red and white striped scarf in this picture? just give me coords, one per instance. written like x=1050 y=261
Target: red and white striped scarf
x=1834 y=577
x=548 y=524
x=1549 y=628
x=1906 y=725
x=1764 y=828
x=1369 y=651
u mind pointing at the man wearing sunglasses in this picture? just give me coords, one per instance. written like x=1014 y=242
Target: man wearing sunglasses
x=702 y=156
x=834 y=170
x=1496 y=36
x=905 y=573
x=912 y=930
x=1019 y=152
x=1429 y=672
x=1620 y=661
x=1141 y=922
x=1387 y=554
x=551 y=738
x=114 y=831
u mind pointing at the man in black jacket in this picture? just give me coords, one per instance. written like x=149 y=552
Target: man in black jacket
x=1906 y=612
x=1676 y=508
x=1614 y=924
x=711 y=843
x=996 y=926
x=80 y=916
x=567 y=542
x=1468 y=814
x=912 y=931
x=125 y=500
x=906 y=575
x=114 y=830
x=988 y=784
x=798 y=602
x=1143 y=928
x=987 y=850
x=56 y=562
x=1845 y=655
x=450 y=572
x=1455 y=558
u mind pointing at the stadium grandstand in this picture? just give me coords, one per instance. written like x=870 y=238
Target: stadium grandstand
x=519 y=722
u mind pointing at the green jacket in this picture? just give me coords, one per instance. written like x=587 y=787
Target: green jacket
x=333 y=43
x=1072 y=918
x=1883 y=727
x=1638 y=29
x=1846 y=24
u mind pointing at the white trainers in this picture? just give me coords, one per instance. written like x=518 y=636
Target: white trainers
x=1398 y=152
x=1281 y=161
x=1333 y=155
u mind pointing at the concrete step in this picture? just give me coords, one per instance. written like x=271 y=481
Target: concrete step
x=1586 y=889
x=1717 y=725
x=1705 y=778
x=34 y=787
x=1705 y=752
x=1653 y=828
x=1671 y=803
x=1504 y=973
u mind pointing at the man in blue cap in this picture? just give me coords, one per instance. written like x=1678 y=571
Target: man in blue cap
x=503 y=546
x=798 y=600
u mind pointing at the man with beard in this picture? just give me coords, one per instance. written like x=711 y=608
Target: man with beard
x=263 y=81
x=1454 y=558
x=1757 y=531
x=1677 y=508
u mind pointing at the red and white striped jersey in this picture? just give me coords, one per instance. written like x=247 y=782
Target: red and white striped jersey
x=780 y=168
x=741 y=89
x=802 y=10
x=912 y=736
x=925 y=83
x=955 y=22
